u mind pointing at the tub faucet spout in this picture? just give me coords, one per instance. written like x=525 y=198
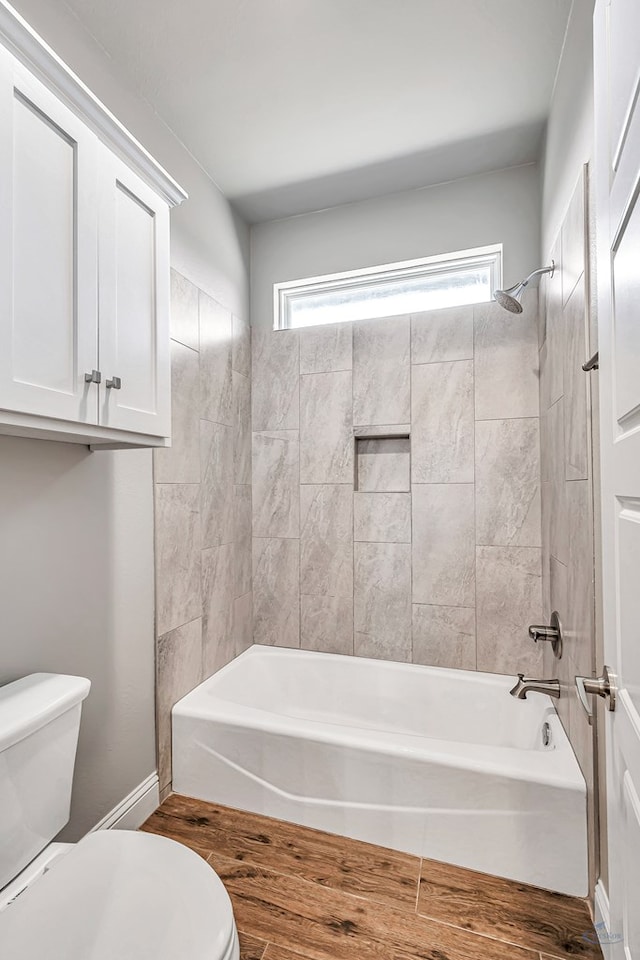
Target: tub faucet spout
x=527 y=684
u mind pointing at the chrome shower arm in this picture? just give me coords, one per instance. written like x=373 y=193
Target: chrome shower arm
x=538 y=273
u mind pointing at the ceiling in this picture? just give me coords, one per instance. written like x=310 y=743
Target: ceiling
x=295 y=105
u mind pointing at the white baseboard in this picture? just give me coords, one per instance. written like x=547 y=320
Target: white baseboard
x=602 y=919
x=131 y=812
x=602 y=914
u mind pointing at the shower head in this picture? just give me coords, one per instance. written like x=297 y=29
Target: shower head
x=510 y=299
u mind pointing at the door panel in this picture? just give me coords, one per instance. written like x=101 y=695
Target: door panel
x=617 y=165
x=628 y=536
x=48 y=234
x=624 y=41
x=134 y=303
x=631 y=812
x=626 y=301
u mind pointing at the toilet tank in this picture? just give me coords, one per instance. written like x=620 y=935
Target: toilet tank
x=39 y=726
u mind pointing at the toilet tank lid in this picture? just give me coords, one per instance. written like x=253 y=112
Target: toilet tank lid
x=28 y=704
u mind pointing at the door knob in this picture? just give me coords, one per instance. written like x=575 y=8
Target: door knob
x=94 y=377
x=604 y=686
x=114 y=384
x=552 y=633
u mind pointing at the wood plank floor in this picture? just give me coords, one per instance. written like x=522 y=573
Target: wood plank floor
x=300 y=894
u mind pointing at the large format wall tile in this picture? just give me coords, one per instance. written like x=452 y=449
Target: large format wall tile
x=242 y=623
x=178 y=592
x=326 y=511
x=326 y=531
x=242 y=536
x=558 y=531
x=381 y=371
x=184 y=311
x=545 y=498
x=326 y=348
x=202 y=490
x=576 y=385
x=506 y=360
x=216 y=489
x=383 y=465
x=326 y=624
x=444 y=636
x=326 y=432
x=241 y=429
x=218 y=643
x=275 y=484
x=275 y=382
x=578 y=619
x=276 y=592
x=382 y=600
x=442 y=422
x=558 y=585
x=439 y=335
x=241 y=350
x=216 y=340
x=382 y=517
x=508 y=600
x=326 y=568
x=180 y=463
x=443 y=544
x=178 y=671
x=508 y=483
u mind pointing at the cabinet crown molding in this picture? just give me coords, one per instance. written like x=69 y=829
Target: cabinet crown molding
x=25 y=44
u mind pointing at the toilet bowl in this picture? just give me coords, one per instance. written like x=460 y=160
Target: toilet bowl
x=120 y=894
x=115 y=893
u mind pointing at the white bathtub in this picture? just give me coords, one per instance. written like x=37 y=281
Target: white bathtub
x=439 y=763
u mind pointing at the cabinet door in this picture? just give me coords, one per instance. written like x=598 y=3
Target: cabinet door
x=48 y=256
x=133 y=303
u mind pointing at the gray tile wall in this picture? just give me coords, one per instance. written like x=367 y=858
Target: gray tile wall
x=425 y=550
x=204 y=605
x=567 y=489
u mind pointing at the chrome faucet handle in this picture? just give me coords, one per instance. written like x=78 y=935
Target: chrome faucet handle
x=552 y=633
x=540 y=632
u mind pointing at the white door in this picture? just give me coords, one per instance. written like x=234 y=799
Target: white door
x=133 y=303
x=48 y=257
x=617 y=166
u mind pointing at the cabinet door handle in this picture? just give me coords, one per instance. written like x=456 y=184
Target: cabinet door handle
x=114 y=384
x=94 y=377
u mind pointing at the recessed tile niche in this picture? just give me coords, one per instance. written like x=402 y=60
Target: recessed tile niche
x=382 y=460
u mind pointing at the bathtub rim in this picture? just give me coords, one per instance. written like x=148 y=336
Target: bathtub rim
x=557 y=767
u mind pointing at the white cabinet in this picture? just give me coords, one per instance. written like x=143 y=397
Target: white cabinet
x=48 y=237
x=133 y=244
x=84 y=260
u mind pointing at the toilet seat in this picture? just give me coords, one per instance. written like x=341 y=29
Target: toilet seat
x=134 y=896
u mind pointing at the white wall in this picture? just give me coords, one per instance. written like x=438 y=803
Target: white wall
x=569 y=138
x=76 y=528
x=497 y=207
x=76 y=595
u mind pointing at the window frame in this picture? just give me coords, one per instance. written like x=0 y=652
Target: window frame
x=287 y=291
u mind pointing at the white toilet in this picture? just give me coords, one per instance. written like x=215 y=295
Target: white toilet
x=116 y=893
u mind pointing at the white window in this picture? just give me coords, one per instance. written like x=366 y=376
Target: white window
x=468 y=276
